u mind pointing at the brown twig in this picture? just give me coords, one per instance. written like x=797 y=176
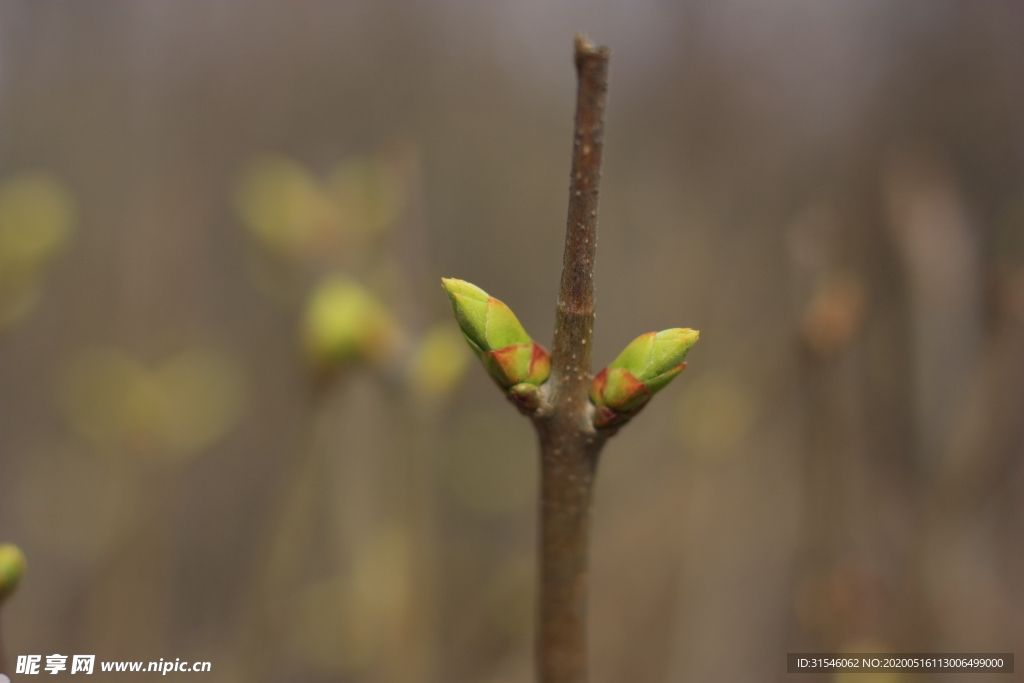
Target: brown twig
x=569 y=443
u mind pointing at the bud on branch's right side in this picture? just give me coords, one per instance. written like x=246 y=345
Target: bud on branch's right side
x=644 y=368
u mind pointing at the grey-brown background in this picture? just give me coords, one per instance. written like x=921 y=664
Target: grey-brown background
x=833 y=193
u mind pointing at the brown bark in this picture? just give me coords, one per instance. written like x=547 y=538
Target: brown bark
x=569 y=443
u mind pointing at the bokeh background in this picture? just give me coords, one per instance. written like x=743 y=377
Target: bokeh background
x=833 y=193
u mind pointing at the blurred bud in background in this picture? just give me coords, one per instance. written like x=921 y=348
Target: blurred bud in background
x=173 y=409
x=37 y=215
x=12 y=568
x=284 y=207
x=344 y=323
x=834 y=315
x=439 y=362
x=299 y=218
x=369 y=195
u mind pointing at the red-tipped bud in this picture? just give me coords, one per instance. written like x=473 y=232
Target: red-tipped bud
x=643 y=369
x=497 y=337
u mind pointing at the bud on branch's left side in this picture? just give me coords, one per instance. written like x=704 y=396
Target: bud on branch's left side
x=518 y=364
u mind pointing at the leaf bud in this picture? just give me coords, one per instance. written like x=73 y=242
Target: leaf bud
x=644 y=368
x=345 y=323
x=497 y=337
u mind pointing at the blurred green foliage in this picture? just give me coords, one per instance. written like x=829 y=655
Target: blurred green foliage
x=173 y=409
x=37 y=216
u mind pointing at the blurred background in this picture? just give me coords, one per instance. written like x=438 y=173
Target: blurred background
x=237 y=423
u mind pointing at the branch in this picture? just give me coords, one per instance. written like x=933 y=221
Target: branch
x=570 y=444
x=574 y=414
x=574 y=323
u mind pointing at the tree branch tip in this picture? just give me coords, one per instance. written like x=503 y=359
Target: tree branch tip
x=586 y=49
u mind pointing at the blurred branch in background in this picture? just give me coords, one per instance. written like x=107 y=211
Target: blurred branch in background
x=348 y=596
x=931 y=582
x=838 y=590
x=964 y=379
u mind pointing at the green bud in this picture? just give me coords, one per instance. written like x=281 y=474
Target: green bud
x=644 y=368
x=498 y=338
x=12 y=568
x=344 y=323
